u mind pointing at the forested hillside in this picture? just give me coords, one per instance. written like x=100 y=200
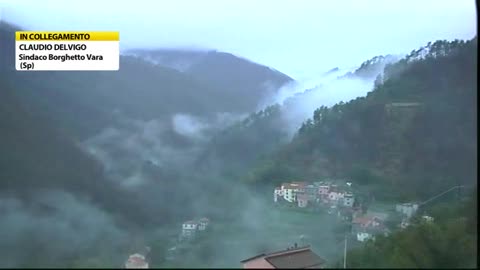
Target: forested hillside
x=236 y=148
x=413 y=135
x=82 y=103
x=36 y=155
x=241 y=145
x=245 y=83
x=95 y=166
x=448 y=242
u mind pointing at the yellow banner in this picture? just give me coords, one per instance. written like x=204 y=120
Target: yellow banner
x=66 y=36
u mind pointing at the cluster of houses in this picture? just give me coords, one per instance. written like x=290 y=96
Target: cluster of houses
x=336 y=198
x=366 y=227
x=304 y=194
x=340 y=199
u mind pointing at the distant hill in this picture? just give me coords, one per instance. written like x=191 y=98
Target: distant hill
x=372 y=67
x=266 y=130
x=35 y=155
x=83 y=102
x=246 y=82
x=46 y=116
x=178 y=59
x=414 y=135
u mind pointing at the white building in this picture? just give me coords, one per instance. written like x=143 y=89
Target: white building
x=348 y=200
x=408 y=209
x=289 y=191
x=203 y=224
x=364 y=236
x=427 y=218
x=136 y=261
x=278 y=192
x=335 y=196
x=189 y=228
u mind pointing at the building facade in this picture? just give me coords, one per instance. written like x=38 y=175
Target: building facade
x=203 y=224
x=348 y=200
x=408 y=209
x=189 y=228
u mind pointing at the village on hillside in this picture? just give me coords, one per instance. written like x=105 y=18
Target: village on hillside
x=338 y=198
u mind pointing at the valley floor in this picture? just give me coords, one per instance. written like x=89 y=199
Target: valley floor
x=226 y=244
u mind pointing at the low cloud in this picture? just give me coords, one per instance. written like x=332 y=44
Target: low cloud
x=188 y=125
x=300 y=99
x=54 y=224
x=132 y=149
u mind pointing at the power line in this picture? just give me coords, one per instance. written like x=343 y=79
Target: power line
x=436 y=196
x=345 y=253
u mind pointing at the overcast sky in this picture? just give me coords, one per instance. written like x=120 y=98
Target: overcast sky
x=298 y=37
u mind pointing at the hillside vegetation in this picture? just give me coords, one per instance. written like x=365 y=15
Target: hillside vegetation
x=415 y=134
x=448 y=242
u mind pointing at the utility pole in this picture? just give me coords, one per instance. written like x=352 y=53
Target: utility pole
x=345 y=253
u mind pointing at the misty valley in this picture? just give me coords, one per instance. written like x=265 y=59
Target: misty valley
x=189 y=158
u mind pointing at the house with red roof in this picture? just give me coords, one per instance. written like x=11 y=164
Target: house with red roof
x=136 y=261
x=302 y=257
x=367 y=226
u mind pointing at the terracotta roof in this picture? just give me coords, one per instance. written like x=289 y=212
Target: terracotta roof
x=294 y=185
x=361 y=220
x=300 y=259
x=290 y=186
x=190 y=222
x=294 y=258
x=302 y=184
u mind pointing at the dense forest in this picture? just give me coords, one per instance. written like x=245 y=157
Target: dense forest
x=241 y=145
x=414 y=135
